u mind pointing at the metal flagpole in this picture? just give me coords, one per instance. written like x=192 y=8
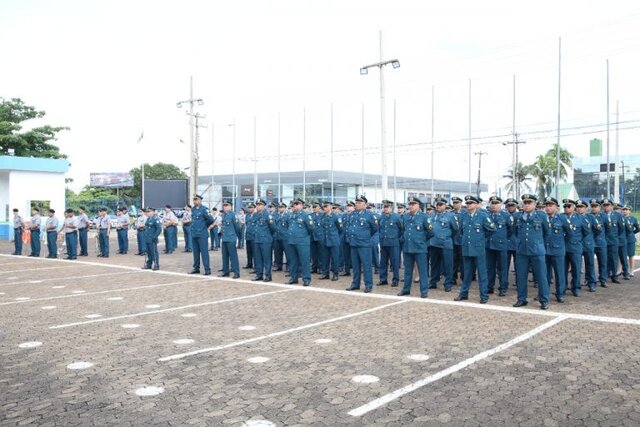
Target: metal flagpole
x=233 y=165
x=433 y=103
x=608 y=135
x=255 y=161
x=616 y=179
x=395 y=174
x=383 y=128
x=558 y=141
x=469 y=136
x=362 y=175
x=332 y=195
x=279 y=158
x=514 y=166
x=304 y=154
x=211 y=193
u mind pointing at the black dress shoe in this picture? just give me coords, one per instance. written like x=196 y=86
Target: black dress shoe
x=292 y=282
x=351 y=288
x=194 y=272
x=155 y=267
x=447 y=288
x=247 y=267
x=492 y=291
x=306 y=283
x=287 y=275
x=604 y=285
x=592 y=288
x=257 y=278
x=502 y=293
x=324 y=277
x=430 y=286
x=367 y=290
x=520 y=304
x=459 y=298
x=267 y=279
x=345 y=274
x=560 y=300
x=403 y=293
x=235 y=276
x=207 y=273
x=220 y=269
x=223 y=275
x=137 y=253
x=423 y=295
x=576 y=293
x=394 y=285
x=627 y=278
x=615 y=280
x=544 y=306
x=483 y=301
x=334 y=278
x=382 y=283
x=277 y=269
x=146 y=267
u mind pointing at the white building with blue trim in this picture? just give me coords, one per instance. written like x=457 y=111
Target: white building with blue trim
x=28 y=181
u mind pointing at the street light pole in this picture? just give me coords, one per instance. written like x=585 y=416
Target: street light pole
x=383 y=130
x=193 y=170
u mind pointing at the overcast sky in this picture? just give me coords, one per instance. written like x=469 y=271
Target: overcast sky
x=112 y=69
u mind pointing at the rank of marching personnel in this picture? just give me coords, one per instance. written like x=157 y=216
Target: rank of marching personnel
x=433 y=243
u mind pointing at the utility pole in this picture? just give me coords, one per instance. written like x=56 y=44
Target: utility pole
x=516 y=179
x=479 y=154
x=195 y=118
x=193 y=170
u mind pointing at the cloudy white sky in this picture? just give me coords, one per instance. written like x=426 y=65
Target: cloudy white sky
x=110 y=69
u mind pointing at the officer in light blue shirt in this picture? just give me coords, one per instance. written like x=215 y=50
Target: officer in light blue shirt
x=263 y=241
x=51 y=227
x=186 y=228
x=531 y=226
x=83 y=230
x=71 y=234
x=229 y=234
x=122 y=228
x=330 y=224
x=375 y=240
x=201 y=224
x=362 y=226
x=17 y=232
x=390 y=233
x=417 y=230
x=141 y=221
x=34 y=228
x=498 y=245
x=153 y=228
x=476 y=224
x=104 y=227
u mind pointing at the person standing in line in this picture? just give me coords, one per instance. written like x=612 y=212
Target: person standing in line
x=263 y=241
x=83 y=228
x=555 y=247
x=632 y=229
x=186 y=228
x=51 y=227
x=497 y=246
x=153 y=228
x=250 y=235
x=279 y=237
x=362 y=227
x=331 y=224
x=300 y=232
x=600 y=240
x=141 y=222
x=417 y=230
x=215 y=231
x=122 y=229
x=34 y=227
x=202 y=222
x=104 y=227
x=390 y=233
x=588 y=246
x=71 y=234
x=169 y=222
x=242 y=220
x=346 y=245
x=230 y=232
x=17 y=232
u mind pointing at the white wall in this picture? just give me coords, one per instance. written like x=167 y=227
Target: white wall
x=25 y=186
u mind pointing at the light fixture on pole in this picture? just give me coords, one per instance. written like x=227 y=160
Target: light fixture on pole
x=383 y=130
x=193 y=179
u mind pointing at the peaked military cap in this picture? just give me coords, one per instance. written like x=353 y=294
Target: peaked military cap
x=197 y=196
x=429 y=207
x=531 y=197
x=251 y=205
x=350 y=203
x=260 y=201
x=361 y=198
x=412 y=200
x=616 y=205
x=400 y=205
x=370 y=206
x=495 y=199
x=549 y=200
x=626 y=208
x=594 y=202
x=148 y=209
x=470 y=198
x=272 y=205
x=568 y=202
x=282 y=205
x=52 y=211
x=297 y=201
x=449 y=207
x=510 y=201
x=581 y=202
x=227 y=202
x=387 y=203
x=441 y=201
x=327 y=203
x=456 y=199
x=606 y=202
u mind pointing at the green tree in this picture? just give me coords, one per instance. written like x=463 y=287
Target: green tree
x=34 y=142
x=522 y=178
x=92 y=199
x=156 y=171
x=543 y=170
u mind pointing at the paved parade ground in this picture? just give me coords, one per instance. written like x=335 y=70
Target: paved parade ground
x=102 y=342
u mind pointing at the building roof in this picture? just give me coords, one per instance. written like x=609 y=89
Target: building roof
x=343 y=178
x=33 y=164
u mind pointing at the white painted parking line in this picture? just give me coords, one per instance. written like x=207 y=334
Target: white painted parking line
x=31 y=269
x=53 y=279
x=278 y=334
x=73 y=295
x=168 y=310
x=383 y=400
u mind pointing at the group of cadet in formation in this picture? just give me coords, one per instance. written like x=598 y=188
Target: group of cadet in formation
x=436 y=242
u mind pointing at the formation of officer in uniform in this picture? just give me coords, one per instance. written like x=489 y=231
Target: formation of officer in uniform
x=430 y=243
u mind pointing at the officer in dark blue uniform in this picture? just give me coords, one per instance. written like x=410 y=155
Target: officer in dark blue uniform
x=250 y=235
x=476 y=224
x=229 y=234
x=457 y=239
x=390 y=232
x=201 y=224
x=330 y=224
x=263 y=243
x=362 y=226
x=316 y=239
x=587 y=246
x=622 y=244
x=596 y=219
x=530 y=228
x=375 y=240
x=511 y=207
x=346 y=246
x=300 y=231
x=573 y=243
x=417 y=230
x=279 y=237
x=555 y=247
x=445 y=225
x=632 y=227
x=153 y=228
x=498 y=245
x=612 y=226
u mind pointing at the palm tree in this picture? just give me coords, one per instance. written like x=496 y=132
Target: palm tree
x=521 y=179
x=566 y=161
x=542 y=171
